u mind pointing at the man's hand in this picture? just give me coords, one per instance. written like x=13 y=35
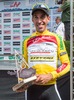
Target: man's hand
x=43 y=78
x=59 y=10
x=22 y=89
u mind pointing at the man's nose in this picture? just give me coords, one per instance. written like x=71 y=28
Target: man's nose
x=39 y=20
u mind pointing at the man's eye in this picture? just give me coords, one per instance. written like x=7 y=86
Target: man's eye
x=35 y=17
x=43 y=16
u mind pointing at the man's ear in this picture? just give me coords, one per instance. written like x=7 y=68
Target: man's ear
x=48 y=18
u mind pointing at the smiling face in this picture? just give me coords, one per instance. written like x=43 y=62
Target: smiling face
x=40 y=20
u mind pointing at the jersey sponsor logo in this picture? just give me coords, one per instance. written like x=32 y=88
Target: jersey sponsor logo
x=62 y=67
x=41 y=58
x=63 y=53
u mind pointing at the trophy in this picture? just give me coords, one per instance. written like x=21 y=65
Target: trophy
x=25 y=74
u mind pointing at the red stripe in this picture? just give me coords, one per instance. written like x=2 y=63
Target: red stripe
x=40 y=52
x=40 y=39
x=62 y=67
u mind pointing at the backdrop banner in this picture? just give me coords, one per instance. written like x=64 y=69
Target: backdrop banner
x=7 y=80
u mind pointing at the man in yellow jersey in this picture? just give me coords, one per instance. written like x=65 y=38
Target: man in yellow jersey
x=41 y=51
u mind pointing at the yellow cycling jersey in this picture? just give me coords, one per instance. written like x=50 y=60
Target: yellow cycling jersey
x=42 y=50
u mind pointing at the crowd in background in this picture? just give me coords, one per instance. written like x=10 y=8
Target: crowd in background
x=62 y=26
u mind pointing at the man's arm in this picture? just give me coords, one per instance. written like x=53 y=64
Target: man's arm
x=64 y=6
x=63 y=56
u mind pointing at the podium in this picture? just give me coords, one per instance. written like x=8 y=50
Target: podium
x=8 y=78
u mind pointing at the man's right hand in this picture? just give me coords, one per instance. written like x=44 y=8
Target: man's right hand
x=22 y=89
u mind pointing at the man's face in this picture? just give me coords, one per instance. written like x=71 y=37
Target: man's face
x=40 y=20
x=57 y=21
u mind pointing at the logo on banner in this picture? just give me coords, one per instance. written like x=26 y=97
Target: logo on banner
x=7 y=14
x=16 y=37
x=16 y=14
x=7 y=31
x=27 y=25
x=16 y=31
x=7 y=26
x=7 y=43
x=16 y=20
x=12 y=4
x=15 y=4
x=7 y=37
x=7 y=49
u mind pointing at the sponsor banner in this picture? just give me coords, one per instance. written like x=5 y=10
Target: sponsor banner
x=7 y=43
x=7 y=49
x=16 y=25
x=16 y=22
x=16 y=43
x=16 y=48
x=7 y=31
x=25 y=13
x=26 y=25
x=16 y=31
x=11 y=57
x=7 y=15
x=26 y=31
x=16 y=37
x=7 y=26
x=7 y=20
x=16 y=14
x=26 y=19
x=25 y=37
x=7 y=37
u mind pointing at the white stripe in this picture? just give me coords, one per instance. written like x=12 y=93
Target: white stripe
x=57 y=91
x=26 y=95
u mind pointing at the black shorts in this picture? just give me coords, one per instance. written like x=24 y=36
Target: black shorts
x=36 y=92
